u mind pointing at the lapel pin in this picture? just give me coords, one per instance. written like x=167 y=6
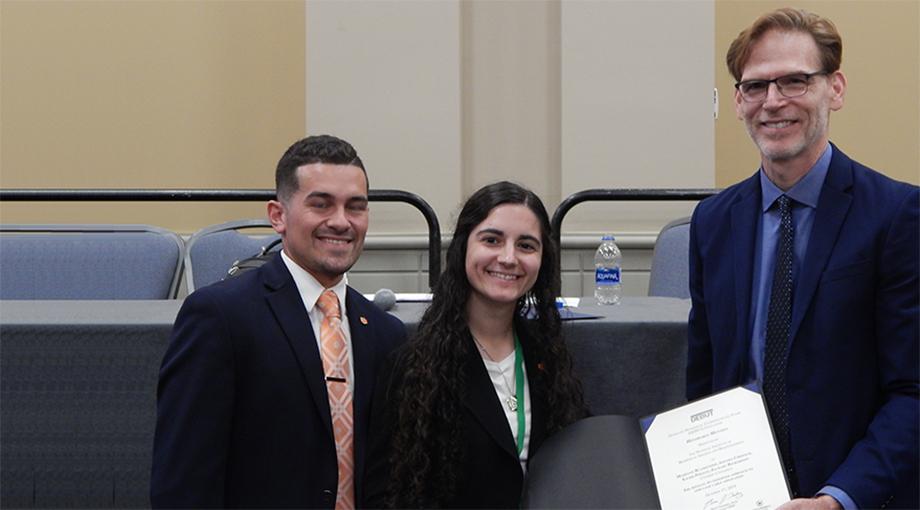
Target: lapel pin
x=541 y=367
x=363 y=320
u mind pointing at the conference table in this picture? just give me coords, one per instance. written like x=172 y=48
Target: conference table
x=631 y=359
x=79 y=386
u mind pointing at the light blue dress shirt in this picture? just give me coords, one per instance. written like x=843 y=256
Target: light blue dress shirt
x=804 y=195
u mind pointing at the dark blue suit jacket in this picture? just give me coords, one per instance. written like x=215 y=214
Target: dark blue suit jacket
x=242 y=412
x=852 y=372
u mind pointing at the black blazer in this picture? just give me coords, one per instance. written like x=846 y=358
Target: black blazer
x=490 y=475
x=242 y=411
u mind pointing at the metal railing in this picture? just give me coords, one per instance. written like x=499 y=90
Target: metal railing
x=381 y=195
x=228 y=195
x=621 y=195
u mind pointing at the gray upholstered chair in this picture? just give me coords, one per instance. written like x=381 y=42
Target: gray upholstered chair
x=598 y=462
x=212 y=250
x=670 y=261
x=89 y=262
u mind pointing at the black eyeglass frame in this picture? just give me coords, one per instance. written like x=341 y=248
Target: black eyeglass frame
x=779 y=88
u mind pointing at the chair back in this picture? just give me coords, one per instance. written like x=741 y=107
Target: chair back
x=212 y=250
x=89 y=262
x=598 y=462
x=670 y=273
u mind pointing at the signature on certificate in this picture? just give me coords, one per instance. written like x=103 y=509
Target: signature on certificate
x=726 y=501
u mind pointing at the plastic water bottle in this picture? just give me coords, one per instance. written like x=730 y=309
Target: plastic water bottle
x=607 y=261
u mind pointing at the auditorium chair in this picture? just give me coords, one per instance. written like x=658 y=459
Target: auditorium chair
x=670 y=261
x=212 y=250
x=89 y=262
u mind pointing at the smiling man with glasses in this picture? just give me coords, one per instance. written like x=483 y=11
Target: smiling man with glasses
x=804 y=279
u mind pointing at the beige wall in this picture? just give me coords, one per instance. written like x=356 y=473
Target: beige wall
x=385 y=75
x=511 y=75
x=559 y=96
x=439 y=97
x=880 y=122
x=636 y=108
x=147 y=94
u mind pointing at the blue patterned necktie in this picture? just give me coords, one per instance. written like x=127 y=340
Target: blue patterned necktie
x=779 y=317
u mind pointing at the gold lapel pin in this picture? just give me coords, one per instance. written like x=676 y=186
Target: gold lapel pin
x=363 y=320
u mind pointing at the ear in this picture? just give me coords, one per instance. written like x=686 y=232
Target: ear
x=276 y=215
x=738 y=102
x=838 y=89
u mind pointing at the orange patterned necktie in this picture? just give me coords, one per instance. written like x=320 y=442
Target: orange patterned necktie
x=335 y=365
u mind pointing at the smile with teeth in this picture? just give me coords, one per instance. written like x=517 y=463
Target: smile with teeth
x=503 y=276
x=335 y=241
x=778 y=124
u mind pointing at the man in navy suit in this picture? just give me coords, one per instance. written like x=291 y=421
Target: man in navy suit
x=804 y=278
x=243 y=407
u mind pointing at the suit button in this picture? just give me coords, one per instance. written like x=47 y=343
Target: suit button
x=328 y=496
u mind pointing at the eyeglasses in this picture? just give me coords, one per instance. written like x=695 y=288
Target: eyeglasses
x=791 y=85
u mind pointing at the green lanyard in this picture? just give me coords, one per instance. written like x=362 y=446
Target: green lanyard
x=519 y=393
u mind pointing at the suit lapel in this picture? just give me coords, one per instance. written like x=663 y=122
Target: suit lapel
x=537 y=405
x=744 y=214
x=833 y=205
x=287 y=306
x=483 y=403
x=364 y=356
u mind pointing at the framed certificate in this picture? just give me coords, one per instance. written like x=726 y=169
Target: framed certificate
x=716 y=453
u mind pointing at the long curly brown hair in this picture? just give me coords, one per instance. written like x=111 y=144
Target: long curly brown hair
x=427 y=441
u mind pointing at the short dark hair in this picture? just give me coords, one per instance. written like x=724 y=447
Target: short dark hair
x=312 y=149
x=822 y=30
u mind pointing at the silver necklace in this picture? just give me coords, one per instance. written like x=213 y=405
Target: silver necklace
x=511 y=401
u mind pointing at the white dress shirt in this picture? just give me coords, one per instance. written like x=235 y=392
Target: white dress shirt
x=502 y=375
x=310 y=291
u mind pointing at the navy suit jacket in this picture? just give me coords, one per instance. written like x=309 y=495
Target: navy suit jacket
x=489 y=474
x=242 y=412
x=852 y=369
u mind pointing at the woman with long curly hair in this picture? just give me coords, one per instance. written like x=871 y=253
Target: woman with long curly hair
x=487 y=378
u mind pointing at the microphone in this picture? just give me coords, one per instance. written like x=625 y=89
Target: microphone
x=385 y=299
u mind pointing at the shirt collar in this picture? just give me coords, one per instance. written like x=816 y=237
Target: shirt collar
x=806 y=191
x=309 y=288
